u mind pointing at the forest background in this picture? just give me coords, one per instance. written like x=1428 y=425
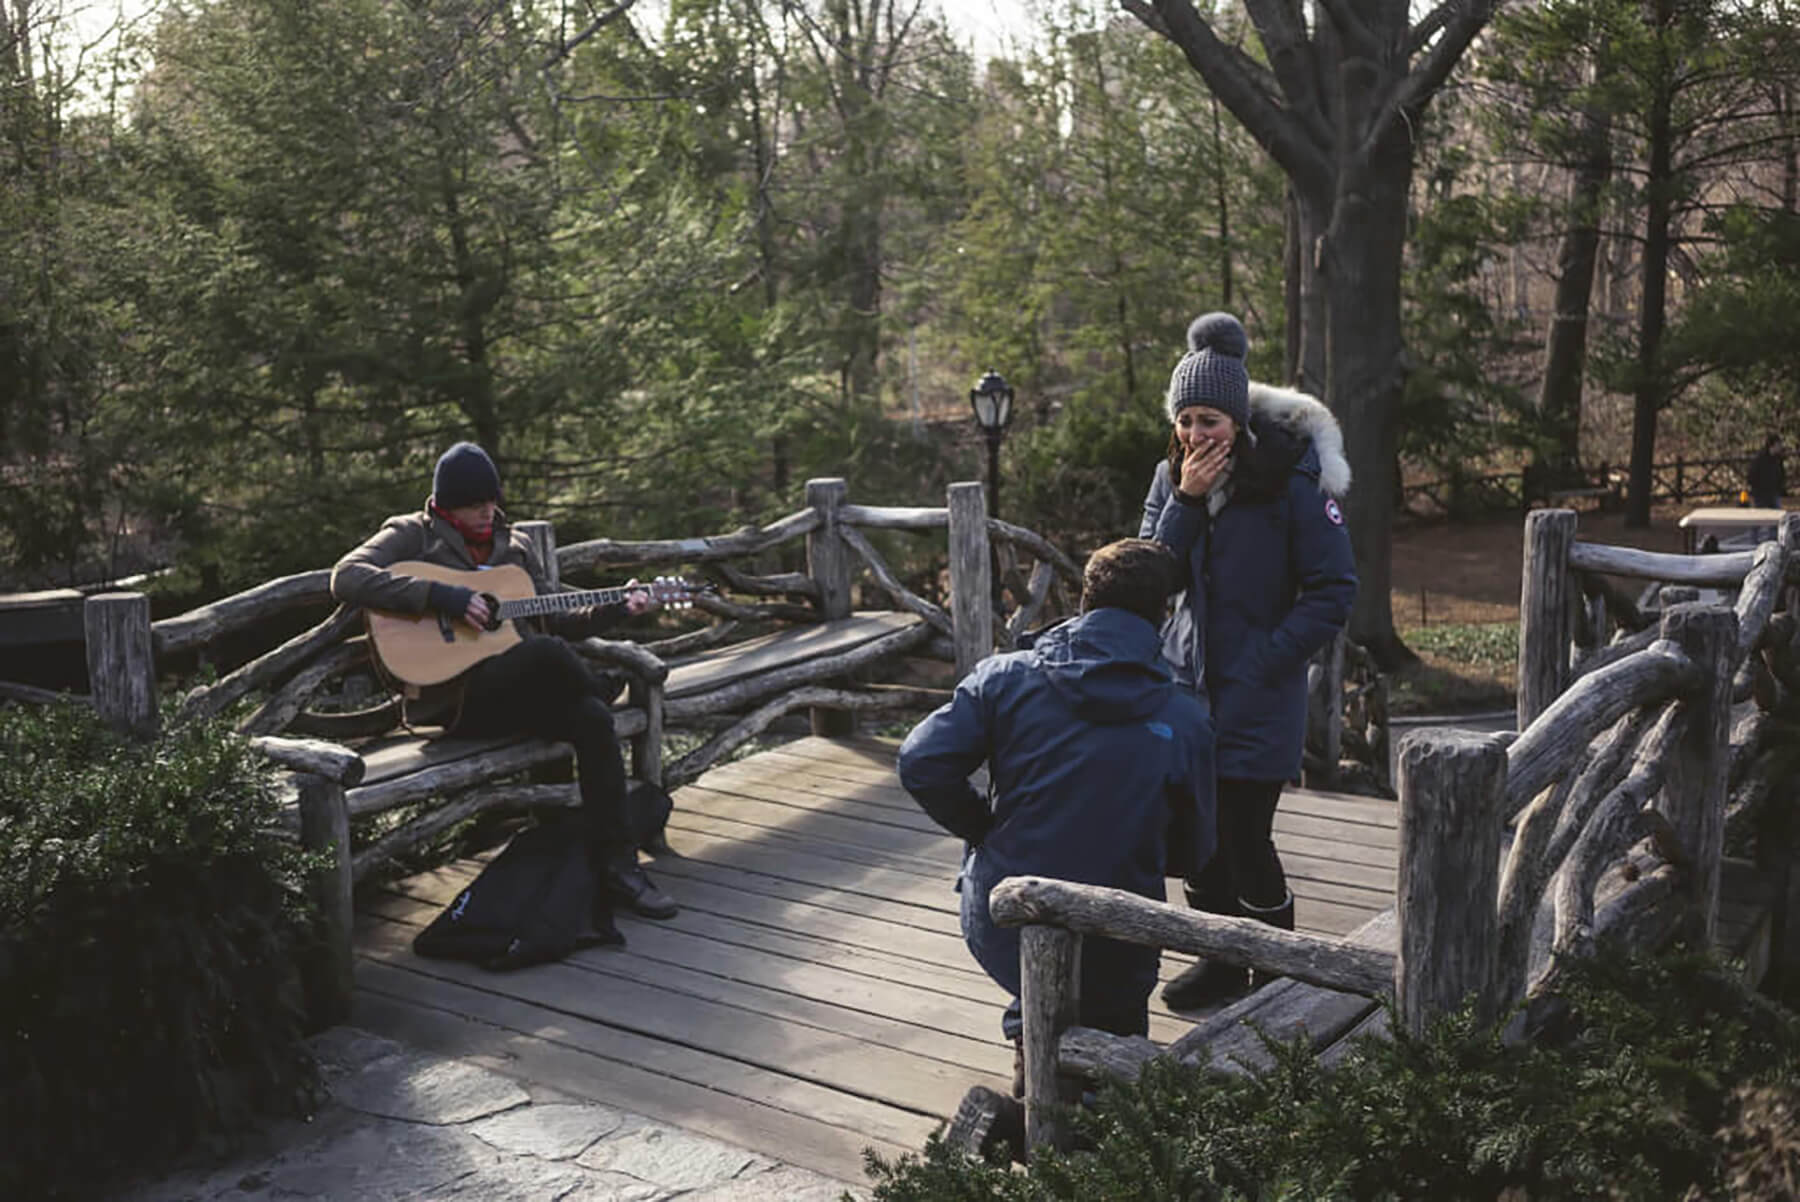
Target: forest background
x=261 y=260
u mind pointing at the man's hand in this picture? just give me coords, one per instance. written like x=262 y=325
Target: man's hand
x=637 y=599
x=478 y=613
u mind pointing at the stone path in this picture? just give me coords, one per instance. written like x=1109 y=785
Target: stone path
x=402 y=1124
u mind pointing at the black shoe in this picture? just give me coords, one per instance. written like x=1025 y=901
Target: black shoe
x=1207 y=982
x=631 y=887
x=989 y=1126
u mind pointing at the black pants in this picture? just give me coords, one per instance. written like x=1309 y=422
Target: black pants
x=1245 y=868
x=543 y=689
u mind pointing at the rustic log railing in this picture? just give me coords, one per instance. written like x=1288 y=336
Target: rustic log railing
x=1606 y=815
x=301 y=725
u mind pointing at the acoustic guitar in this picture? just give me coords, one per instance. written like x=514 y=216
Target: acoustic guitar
x=430 y=648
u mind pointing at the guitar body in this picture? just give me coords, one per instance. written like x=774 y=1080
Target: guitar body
x=428 y=648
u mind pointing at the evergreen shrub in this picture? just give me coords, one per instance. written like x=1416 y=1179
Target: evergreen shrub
x=150 y=928
x=1656 y=1080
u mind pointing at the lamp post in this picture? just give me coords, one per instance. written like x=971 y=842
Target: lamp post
x=992 y=400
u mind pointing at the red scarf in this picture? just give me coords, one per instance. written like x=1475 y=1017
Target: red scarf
x=478 y=540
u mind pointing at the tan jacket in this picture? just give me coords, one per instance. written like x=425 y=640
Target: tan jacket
x=362 y=578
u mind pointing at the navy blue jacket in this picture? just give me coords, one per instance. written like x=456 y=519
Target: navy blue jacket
x=1270 y=581
x=1091 y=748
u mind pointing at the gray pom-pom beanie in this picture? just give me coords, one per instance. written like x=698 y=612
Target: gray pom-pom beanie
x=1212 y=373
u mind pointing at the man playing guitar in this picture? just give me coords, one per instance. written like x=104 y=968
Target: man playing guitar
x=538 y=686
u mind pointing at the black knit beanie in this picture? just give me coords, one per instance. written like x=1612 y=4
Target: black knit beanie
x=1212 y=373
x=464 y=476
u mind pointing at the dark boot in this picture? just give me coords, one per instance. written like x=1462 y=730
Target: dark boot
x=1281 y=917
x=630 y=886
x=988 y=1125
x=1207 y=981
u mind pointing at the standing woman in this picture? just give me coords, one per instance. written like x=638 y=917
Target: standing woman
x=1248 y=499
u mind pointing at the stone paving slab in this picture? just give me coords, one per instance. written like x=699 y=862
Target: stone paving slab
x=405 y=1126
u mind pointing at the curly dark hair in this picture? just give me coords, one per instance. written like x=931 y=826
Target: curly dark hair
x=1133 y=574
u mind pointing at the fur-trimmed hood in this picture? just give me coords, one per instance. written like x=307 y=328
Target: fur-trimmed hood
x=1306 y=417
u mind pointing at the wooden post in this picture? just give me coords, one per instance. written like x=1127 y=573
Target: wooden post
x=647 y=744
x=1695 y=790
x=828 y=563
x=1325 y=712
x=971 y=577
x=120 y=661
x=1050 y=1003
x=1789 y=535
x=1544 y=611
x=325 y=827
x=1452 y=793
x=543 y=540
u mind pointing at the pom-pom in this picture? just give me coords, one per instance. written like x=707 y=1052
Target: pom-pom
x=1218 y=332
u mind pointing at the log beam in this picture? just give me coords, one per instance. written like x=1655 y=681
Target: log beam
x=1452 y=791
x=1545 y=592
x=1118 y=914
x=1050 y=1003
x=120 y=660
x=1695 y=794
x=316 y=757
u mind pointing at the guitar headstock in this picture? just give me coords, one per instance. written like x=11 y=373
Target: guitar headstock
x=673 y=592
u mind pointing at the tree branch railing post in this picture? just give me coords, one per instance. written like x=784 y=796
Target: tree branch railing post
x=1325 y=712
x=543 y=540
x=1695 y=791
x=828 y=559
x=1050 y=1003
x=325 y=827
x=121 y=661
x=971 y=577
x=1452 y=794
x=1545 y=596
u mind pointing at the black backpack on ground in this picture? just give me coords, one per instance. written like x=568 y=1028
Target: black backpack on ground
x=534 y=902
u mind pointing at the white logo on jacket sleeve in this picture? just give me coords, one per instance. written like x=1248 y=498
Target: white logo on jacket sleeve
x=1332 y=511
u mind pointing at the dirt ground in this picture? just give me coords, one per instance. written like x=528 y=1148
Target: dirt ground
x=1460 y=575
x=1445 y=572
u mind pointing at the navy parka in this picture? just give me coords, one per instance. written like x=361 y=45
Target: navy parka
x=1091 y=747
x=1270 y=580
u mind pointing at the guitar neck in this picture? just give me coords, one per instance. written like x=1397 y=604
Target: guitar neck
x=555 y=603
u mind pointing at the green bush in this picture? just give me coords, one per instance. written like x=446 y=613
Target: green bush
x=1490 y=645
x=1627 y=1100
x=150 y=925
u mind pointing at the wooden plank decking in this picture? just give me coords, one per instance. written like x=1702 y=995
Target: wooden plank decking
x=813 y=998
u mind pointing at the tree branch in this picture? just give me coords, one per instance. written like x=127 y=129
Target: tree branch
x=595 y=26
x=1468 y=18
x=1278 y=128
x=1352 y=27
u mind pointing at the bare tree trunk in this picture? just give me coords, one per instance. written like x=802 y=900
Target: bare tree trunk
x=1366 y=372
x=1307 y=337
x=1565 y=347
x=1649 y=396
x=1223 y=201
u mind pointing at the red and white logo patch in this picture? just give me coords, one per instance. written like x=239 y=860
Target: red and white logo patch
x=1332 y=512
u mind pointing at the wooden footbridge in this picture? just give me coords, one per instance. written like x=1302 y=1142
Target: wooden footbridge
x=813 y=998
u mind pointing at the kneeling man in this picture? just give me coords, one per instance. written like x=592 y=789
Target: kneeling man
x=1095 y=754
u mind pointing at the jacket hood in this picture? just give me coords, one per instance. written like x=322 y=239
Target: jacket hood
x=1108 y=665
x=1307 y=418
